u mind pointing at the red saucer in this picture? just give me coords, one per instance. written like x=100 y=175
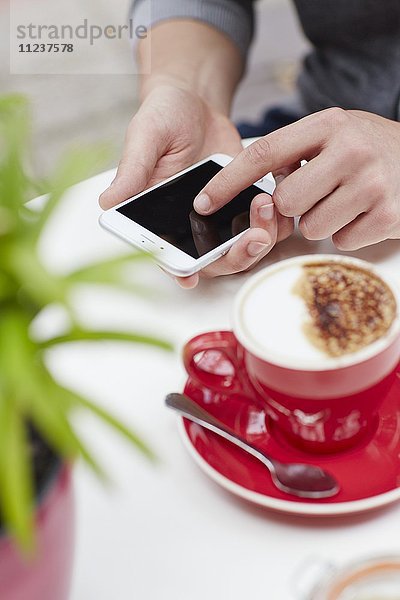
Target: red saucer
x=369 y=474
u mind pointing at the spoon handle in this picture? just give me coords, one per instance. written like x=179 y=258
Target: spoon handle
x=191 y=410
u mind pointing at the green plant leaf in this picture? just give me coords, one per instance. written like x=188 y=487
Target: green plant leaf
x=6 y=286
x=43 y=287
x=50 y=419
x=28 y=392
x=111 y=273
x=86 y=335
x=14 y=134
x=16 y=486
x=17 y=356
x=109 y=419
x=110 y=265
x=34 y=397
x=75 y=166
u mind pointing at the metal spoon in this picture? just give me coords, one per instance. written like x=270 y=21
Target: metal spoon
x=299 y=479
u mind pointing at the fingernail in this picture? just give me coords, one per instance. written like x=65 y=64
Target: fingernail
x=256 y=248
x=267 y=212
x=202 y=203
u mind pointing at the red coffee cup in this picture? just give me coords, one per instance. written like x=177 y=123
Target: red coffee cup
x=323 y=407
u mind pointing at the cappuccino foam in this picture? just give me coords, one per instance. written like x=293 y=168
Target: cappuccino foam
x=282 y=315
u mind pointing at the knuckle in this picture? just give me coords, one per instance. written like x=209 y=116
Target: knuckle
x=343 y=241
x=217 y=189
x=236 y=263
x=334 y=116
x=259 y=201
x=139 y=166
x=375 y=186
x=224 y=180
x=387 y=218
x=258 y=152
x=357 y=150
x=312 y=228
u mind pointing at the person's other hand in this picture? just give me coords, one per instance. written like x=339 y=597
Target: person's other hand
x=173 y=129
x=349 y=189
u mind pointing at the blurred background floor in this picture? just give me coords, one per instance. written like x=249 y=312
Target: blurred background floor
x=71 y=110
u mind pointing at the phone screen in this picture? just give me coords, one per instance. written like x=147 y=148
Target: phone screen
x=168 y=212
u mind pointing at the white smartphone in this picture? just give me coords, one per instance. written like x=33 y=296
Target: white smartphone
x=162 y=219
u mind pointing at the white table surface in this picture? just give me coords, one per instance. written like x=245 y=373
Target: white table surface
x=166 y=531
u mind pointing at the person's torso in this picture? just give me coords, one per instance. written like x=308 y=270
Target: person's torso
x=356 y=58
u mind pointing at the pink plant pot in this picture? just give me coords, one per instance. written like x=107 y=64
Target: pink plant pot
x=48 y=575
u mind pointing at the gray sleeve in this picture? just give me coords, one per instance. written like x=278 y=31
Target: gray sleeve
x=235 y=18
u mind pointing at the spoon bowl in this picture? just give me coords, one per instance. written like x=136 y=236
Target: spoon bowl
x=297 y=479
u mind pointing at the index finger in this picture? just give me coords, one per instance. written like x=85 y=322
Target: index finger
x=295 y=142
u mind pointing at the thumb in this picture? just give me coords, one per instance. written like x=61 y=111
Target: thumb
x=140 y=157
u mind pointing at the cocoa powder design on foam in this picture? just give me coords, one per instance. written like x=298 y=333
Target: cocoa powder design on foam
x=349 y=307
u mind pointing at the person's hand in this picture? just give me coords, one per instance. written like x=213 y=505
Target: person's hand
x=349 y=189
x=173 y=129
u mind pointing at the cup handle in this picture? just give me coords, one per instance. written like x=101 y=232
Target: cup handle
x=224 y=342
